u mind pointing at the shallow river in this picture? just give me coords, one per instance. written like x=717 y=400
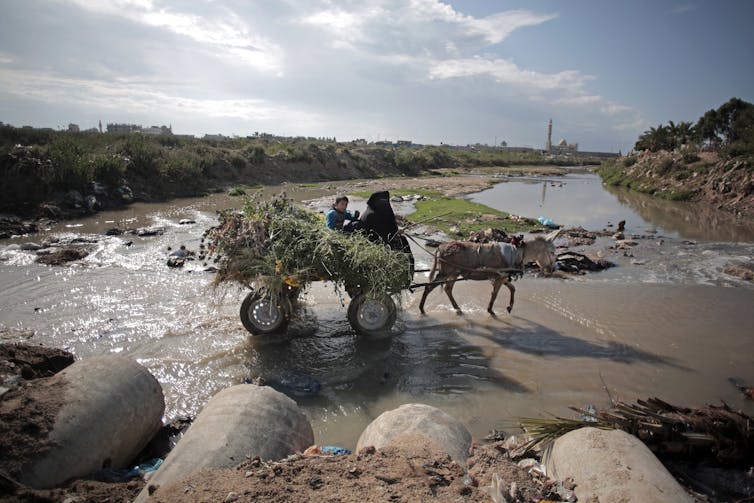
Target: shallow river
x=666 y=322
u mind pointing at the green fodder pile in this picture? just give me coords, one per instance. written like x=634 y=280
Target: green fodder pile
x=274 y=244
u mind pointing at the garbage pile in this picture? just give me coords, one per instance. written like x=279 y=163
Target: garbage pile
x=578 y=263
x=489 y=235
x=276 y=244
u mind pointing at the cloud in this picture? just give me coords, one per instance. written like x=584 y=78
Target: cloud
x=507 y=72
x=493 y=29
x=613 y=109
x=225 y=32
x=583 y=99
x=428 y=26
x=417 y=69
x=139 y=97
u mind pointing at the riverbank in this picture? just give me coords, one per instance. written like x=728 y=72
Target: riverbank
x=447 y=184
x=704 y=178
x=410 y=463
x=54 y=175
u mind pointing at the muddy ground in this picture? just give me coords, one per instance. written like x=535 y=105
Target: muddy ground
x=412 y=471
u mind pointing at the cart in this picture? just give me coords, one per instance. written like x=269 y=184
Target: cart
x=261 y=315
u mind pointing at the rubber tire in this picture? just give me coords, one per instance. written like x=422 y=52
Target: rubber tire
x=354 y=310
x=279 y=326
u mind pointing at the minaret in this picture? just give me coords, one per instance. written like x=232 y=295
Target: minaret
x=100 y=125
x=549 y=136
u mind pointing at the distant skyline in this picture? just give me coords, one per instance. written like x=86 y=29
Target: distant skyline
x=481 y=71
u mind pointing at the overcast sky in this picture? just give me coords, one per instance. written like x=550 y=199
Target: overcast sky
x=423 y=70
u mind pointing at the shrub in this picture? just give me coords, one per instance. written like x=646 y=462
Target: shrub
x=70 y=171
x=255 y=155
x=108 y=169
x=664 y=166
x=143 y=158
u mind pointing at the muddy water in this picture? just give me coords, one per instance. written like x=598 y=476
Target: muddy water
x=665 y=323
x=581 y=199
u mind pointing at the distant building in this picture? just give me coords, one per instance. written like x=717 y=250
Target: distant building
x=563 y=147
x=74 y=128
x=405 y=143
x=359 y=141
x=158 y=131
x=384 y=143
x=123 y=128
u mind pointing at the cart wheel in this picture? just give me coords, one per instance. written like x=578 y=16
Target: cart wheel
x=261 y=317
x=371 y=316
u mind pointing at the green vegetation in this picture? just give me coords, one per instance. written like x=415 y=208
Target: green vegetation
x=467 y=216
x=678 y=161
x=616 y=176
x=241 y=190
x=300 y=251
x=443 y=213
x=40 y=166
x=728 y=129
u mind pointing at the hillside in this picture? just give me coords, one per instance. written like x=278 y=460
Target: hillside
x=56 y=174
x=726 y=184
x=711 y=162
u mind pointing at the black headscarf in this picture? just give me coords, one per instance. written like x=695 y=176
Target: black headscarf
x=378 y=219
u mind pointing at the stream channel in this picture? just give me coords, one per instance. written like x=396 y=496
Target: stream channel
x=665 y=322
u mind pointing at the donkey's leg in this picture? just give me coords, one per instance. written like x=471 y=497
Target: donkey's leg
x=449 y=291
x=513 y=291
x=427 y=289
x=434 y=283
x=496 y=284
x=431 y=286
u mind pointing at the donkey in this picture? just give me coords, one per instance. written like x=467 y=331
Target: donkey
x=497 y=262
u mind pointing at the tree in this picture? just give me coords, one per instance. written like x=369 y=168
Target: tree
x=732 y=122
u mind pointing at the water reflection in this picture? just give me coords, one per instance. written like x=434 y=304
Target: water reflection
x=689 y=220
x=573 y=200
x=582 y=199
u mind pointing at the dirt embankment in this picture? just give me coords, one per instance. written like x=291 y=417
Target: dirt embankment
x=726 y=184
x=409 y=471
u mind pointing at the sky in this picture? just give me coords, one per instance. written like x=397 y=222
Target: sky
x=457 y=72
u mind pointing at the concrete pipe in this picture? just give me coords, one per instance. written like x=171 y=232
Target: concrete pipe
x=613 y=466
x=243 y=420
x=439 y=428
x=112 y=407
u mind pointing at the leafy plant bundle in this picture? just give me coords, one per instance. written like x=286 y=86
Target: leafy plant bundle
x=276 y=244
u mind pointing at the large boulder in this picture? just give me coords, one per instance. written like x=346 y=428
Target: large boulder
x=109 y=409
x=612 y=466
x=240 y=421
x=441 y=430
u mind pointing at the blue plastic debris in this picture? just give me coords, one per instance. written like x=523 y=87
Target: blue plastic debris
x=124 y=474
x=547 y=222
x=334 y=451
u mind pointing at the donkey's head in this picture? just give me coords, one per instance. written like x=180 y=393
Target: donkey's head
x=542 y=251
